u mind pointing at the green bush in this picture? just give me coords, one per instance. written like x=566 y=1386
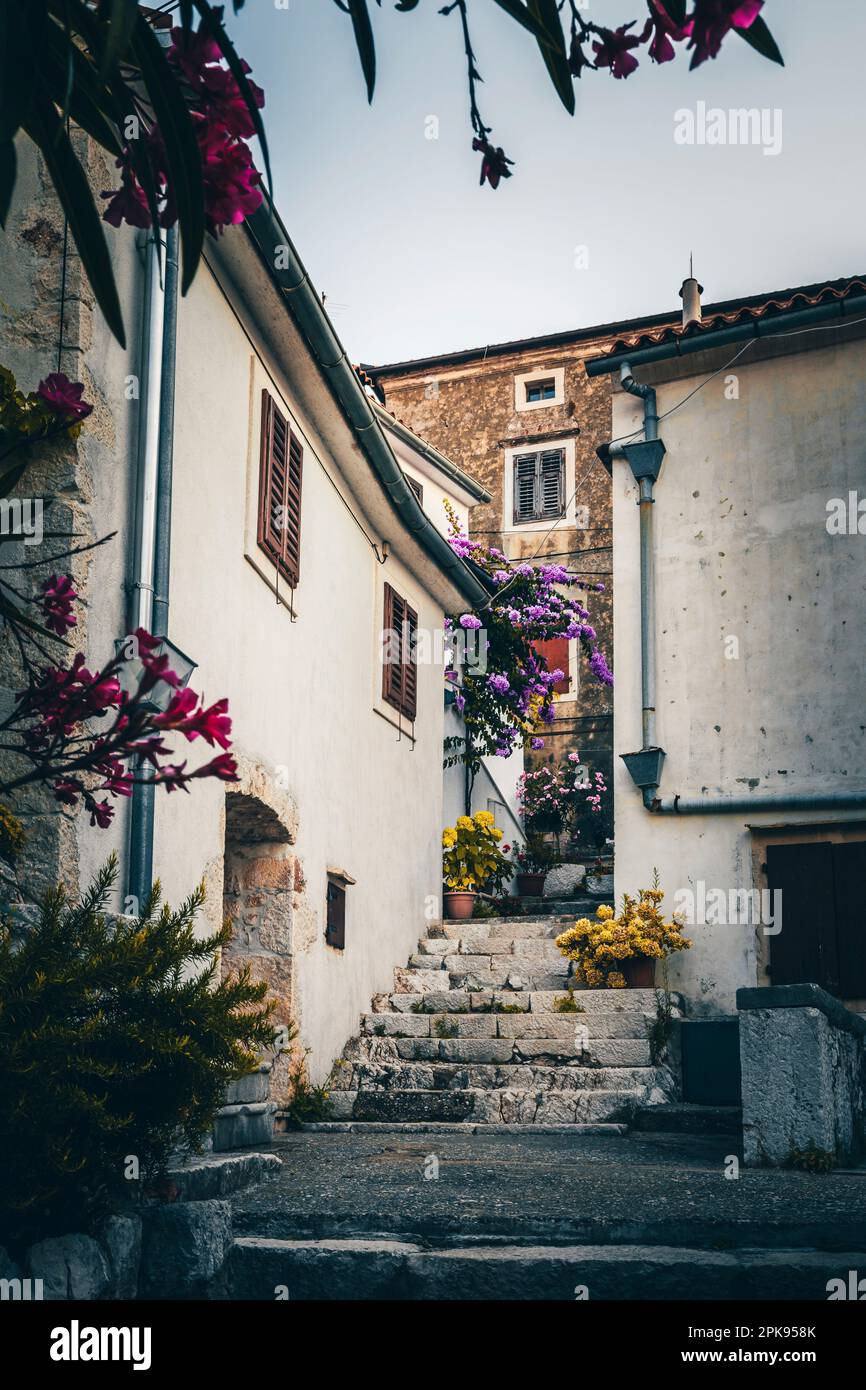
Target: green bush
x=116 y=1046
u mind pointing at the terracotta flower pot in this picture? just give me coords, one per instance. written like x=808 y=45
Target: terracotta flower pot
x=458 y=906
x=530 y=885
x=639 y=972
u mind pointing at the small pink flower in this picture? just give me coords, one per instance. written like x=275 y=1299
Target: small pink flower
x=64 y=396
x=614 y=50
x=58 y=596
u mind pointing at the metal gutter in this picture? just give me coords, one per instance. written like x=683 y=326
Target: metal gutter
x=698 y=341
x=268 y=234
x=784 y=801
x=389 y=422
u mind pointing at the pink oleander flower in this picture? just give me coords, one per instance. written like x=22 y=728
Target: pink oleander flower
x=58 y=596
x=614 y=50
x=222 y=97
x=127 y=203
x=713 y=20
x=494 y=164
x=663 y=30
x=231 y=180
x=64 y=396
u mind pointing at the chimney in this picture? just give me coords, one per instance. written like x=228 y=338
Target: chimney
x=690 y=294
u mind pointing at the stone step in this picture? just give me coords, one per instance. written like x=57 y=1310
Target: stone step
x=524 y=947
x=600 y=1051
x=626 y=1023
x=485 y=1076
x=483 y=1106
x=680 y=1117
x=463 y=1024
x=514 y=974
x=549 y=925
x=382 y=1269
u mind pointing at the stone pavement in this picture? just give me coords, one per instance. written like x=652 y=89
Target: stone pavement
x=531 y=1215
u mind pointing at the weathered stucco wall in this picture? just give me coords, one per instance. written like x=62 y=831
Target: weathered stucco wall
x=760 y=627
x=303 y=694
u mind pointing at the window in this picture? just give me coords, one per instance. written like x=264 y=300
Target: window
x=555 y=654
x=540 y=391
x=279 y=519
x=416 y=488
x=539 y=491
x=399 y=669
x=335 y=927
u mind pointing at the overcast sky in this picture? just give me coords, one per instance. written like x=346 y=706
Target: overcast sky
x=415 y=258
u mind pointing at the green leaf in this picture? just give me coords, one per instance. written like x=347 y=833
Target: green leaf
x=7 y=178
x=226 y=48
x=121 y=23
x=19 y=618
x=530 y=21
x=406 y=5
x=181 y=147
x=46 y=130
x=760 y=38
x=364 y=39
x=555 y=56
x=87 y=95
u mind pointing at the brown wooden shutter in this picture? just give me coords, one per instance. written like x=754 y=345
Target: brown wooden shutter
x=280 y=476
x=410 y=670
x=399 y=672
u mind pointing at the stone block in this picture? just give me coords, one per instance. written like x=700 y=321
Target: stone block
x=243 y=1126
x=184 y=1248
x=564 y=881
x=70 y=1267
x=121 y=1239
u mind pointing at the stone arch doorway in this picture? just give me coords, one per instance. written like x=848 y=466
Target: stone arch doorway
x=258 y=884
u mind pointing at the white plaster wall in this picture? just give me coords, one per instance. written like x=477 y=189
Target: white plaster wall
x=302 y=694
x=742 y=551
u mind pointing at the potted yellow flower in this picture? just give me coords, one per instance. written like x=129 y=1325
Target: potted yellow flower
x=471 y=861
x=618 y=951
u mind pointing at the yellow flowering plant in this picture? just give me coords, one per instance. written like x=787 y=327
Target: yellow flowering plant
x=472 y=858
x=599 y=948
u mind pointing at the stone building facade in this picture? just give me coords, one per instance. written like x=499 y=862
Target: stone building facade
x=524 y=419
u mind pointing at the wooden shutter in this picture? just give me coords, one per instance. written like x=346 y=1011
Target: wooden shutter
x=550 y=483
x=399 y=672
x=803 y=874
x=539 y=491
x=555 y=655
x=280 y=475
x=335 y=926
x=524 y=487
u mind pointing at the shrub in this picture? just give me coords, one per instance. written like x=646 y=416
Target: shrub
x=599 y=948
x=116 y=1047
x=472 y=858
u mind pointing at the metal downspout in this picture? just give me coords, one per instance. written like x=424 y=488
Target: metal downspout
x=150 y=600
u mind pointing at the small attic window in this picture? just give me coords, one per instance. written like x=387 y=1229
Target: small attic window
x=537 y=391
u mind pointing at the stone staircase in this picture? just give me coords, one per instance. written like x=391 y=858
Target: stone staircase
x=476 y=1033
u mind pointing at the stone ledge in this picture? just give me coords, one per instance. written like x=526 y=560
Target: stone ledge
x=803 y=996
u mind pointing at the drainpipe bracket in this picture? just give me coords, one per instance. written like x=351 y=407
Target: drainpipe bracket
x=645 y=458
